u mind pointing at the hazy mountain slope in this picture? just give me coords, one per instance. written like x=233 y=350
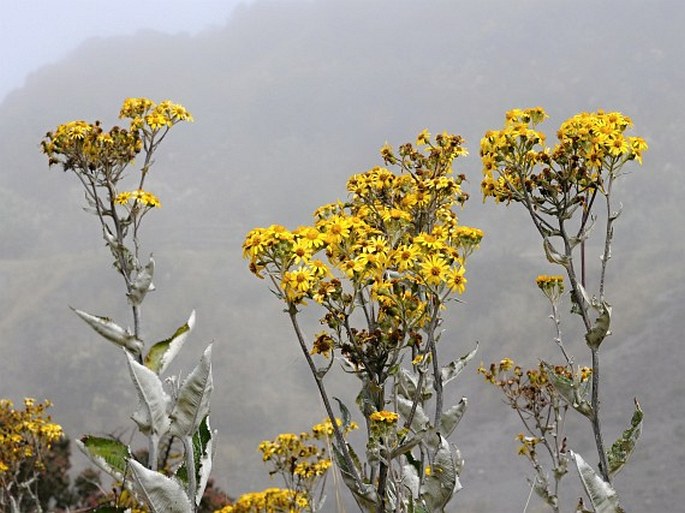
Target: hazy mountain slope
x=289 y=100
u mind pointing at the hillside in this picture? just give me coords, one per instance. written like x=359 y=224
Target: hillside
x=289 y=100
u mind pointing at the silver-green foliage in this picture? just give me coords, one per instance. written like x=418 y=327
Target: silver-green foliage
x=181 y=411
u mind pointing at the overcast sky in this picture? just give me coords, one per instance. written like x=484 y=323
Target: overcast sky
x=34 y=33
x=287 y=106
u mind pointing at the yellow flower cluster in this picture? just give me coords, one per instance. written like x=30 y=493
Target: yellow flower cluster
x=87 y=148
x=394 y=249
x=138 y=196
x=294 y=456
x=397 y=231
x=325 y=429
x=590 y=147
x=384 y=417
x=24 y=436
x=143 y=112
x=288 y=255
x=599 y=136
x=301 y=461
x=532 y=383
x=287 y=444
x=551 y=286
x=271 y=500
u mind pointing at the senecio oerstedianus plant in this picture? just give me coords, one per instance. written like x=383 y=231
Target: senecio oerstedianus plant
x=169 y=411
x=383 y=266
x=562 y=189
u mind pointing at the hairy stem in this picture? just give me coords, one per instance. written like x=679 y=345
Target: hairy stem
x=292 y=313
x=596 y=427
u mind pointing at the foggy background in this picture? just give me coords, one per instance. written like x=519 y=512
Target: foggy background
x=289 y=99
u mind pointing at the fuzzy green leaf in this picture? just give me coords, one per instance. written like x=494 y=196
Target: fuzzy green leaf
x=408 y=380
x=162 y=353
x=345 y=412
x=574 y=393
x=203 y=450
x=453 y=369
x=108 y=454
x=451 y=417
x=623 y=447
x=553 y=256
x=602 y=495
x=142 y=284
x=111 y=331
x=161 y=493
x=152 y=415
x=367 y=494
x=192 y=404
x=599 y=331
x=439 y=487
x=411 y=480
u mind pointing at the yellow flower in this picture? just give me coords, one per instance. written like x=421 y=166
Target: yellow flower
x=405 y=256
x=434 y=270
x=77 y=130
x=310 y=236
x=325 y=428
x=637 y=147
x=429 y=241
x=551 y=286
x=135 y=107
x=423 y=137
x=279 y=232
x=336 y=229
x=144 y=110
x=301 y=251
x=506 y=364
x=298 y=282
x=384 y=417
x=585 y=373
x=455 y=280
x=157 y=120
x=618 y=146
x=352 y=267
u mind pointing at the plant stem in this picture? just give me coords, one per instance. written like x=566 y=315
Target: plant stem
x=190 y=467
x=292 y=313
x=596 y=427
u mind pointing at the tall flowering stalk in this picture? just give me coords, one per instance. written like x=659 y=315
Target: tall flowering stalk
x=382 y=267
x=562 y=189
x=172 y=410
x=100 y=160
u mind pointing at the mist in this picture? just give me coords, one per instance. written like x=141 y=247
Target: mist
x=289 y=99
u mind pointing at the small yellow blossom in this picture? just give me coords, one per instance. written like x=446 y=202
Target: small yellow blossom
x=423 y=137
x=551 y=286
x=434 y=269
x=455 y=280
x=138 y=196
x=384 y=417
